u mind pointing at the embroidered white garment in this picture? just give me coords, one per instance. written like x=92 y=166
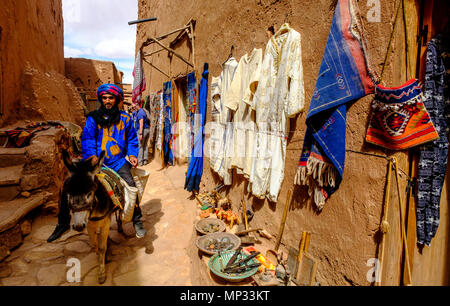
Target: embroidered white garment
x=221 y=130
x=279 y=96
x=240 y=97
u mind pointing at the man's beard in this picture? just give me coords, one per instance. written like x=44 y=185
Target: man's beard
x=106 y=117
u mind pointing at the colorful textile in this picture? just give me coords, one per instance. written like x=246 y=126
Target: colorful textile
x=433 y=155
x=154 y=116
x=21 y=136
x=399 y=118
x=167 y=143
x=160 y=124
x=109 y=89
x=195 y=170
x=139 y=83
x=118 y=141
x=344 y=76
x=193 y=107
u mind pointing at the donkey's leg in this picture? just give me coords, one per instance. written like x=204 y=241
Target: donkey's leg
x=93 y=235
x=103 y=243
x=119 y=221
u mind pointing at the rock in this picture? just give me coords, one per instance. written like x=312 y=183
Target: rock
x=88 y=263
x=25 y=194
x=19 y=267
x=50 y=208
x=52 y=275
x=4 y=252
x=32 y=181
x=24 y=280
x=5 y=271
x=42 y=233
x=25 y=227
x=10 y=239
x=77 y=247
x=116 y=237
x=45 y=252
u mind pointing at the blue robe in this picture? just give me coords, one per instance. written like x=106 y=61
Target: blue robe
x=118 y=141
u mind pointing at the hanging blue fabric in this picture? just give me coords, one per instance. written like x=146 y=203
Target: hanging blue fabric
x=192 y=101
x=344 y=77
x=195 y=170
x=167 y=98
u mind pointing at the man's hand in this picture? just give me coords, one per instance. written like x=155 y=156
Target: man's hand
x=133 y=161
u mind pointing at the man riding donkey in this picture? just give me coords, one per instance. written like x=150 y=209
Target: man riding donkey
x=111 y=130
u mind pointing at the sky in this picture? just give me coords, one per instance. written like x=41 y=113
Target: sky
x=98 y=29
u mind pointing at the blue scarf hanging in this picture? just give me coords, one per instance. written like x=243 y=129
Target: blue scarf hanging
x=167 y=144
x=195 y=170
x=343 y=77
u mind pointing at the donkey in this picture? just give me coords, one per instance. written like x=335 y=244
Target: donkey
x=90 y=204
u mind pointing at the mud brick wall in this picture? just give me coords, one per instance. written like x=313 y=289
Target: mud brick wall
x=33 y=85
x=345 y=233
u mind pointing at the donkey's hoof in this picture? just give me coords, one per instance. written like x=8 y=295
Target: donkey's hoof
x=101 y=277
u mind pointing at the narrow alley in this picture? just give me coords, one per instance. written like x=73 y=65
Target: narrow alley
x=159 y=259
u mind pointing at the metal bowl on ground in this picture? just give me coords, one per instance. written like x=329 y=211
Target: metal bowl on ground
x=210 y=225
x=215 y=266
x=219 y=241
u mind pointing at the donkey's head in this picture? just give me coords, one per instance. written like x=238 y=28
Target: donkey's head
x=80 y=187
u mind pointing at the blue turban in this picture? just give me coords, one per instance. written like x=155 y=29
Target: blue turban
x=109 y=89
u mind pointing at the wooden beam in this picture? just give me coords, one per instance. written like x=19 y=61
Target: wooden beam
x=156 y=68
x=152 y=40
x=153 y=52
x=173 y=51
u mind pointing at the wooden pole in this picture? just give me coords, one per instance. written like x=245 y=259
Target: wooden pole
x=407 y=281
x=301 y=250
x=172 y=51
x=151 y=40
x=384 y=226
x=153 y=66
x=153 y=52
x=283 y=220
x=244 y=207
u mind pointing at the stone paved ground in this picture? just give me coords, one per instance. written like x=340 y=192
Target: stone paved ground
x=162 y=258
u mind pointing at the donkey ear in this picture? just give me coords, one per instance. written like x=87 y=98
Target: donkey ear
x=98 y=164
x=68 y=161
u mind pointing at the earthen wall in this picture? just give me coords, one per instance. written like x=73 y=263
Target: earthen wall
x=32 y=58
x=345 y=234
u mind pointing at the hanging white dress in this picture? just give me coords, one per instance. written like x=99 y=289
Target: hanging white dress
x=240 y=97
x=279 y=96
x=221 y=130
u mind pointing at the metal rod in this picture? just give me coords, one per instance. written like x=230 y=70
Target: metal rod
x=141 y=20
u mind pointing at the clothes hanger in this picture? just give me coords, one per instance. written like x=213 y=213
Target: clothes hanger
x=270 y=31
x=283 y=29
x=229 y=56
